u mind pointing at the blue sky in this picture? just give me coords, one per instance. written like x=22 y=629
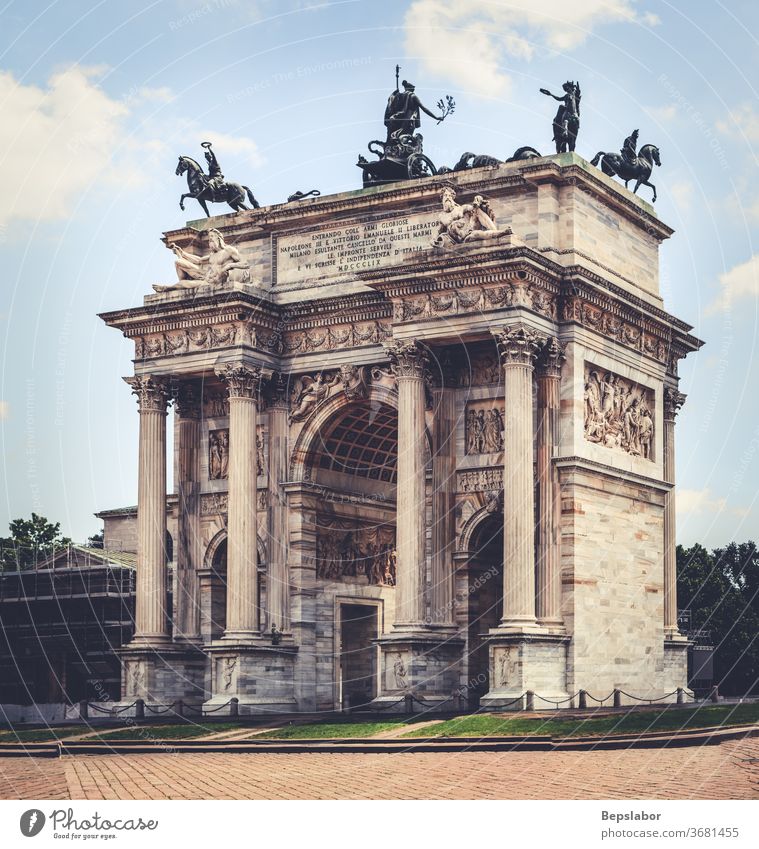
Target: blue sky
x=98 y=99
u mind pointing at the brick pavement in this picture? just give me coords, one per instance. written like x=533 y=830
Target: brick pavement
x=727 y=771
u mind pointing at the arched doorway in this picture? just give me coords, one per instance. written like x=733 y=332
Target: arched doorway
x=485 y=600
x=217 y=607
x=350 y=458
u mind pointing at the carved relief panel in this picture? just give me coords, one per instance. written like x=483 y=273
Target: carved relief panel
x=619 y=413
x=346 y=550
x=218 y=454
x=484 y=427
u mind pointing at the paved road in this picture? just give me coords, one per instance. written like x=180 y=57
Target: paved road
x=727 y=771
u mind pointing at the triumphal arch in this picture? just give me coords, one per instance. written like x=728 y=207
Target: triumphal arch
x=423 y=444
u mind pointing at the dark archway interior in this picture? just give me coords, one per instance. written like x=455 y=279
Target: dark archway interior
x=362 y=442
x=485 y=579
x=218 y=604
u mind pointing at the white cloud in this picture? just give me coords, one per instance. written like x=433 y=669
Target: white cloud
x=4 y=410
x=663 y=113
x=745 y=119
x=740 y=282
x=467 y=41
x=682 y=193
x=691 y=502
x=56 y=141
x=243 y=149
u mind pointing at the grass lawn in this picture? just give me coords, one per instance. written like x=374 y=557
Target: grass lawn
x=666 y=719
x=40 y=735
x=328 y=730
x=149 y=733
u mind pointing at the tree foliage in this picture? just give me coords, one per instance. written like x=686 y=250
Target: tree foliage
x=31 y=542
x=721 y=590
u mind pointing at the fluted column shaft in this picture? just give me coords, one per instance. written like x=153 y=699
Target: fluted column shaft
x=278 y=593
x=242 y=524
x=673 y=400
x=548 y=555
x=187 y=601
x=518 y=346
x=409 y=365
x=151 y=615
x=443 y=507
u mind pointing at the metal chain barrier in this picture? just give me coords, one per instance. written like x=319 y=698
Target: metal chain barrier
x=159 y=712
x=560 y=702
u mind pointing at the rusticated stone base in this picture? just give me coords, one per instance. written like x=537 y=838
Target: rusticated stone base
x=424 y=666
x=519 y=663
x=163 y=675
x=261 y=677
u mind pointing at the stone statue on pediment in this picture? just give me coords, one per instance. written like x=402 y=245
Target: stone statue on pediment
x=222 y=264
x=469 y=222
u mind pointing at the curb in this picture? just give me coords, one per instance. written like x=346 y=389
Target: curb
x=680 y=739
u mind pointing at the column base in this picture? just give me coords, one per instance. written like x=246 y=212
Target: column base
x=162 y=674
x=422 y=664
x=259 y=675
x=522 y=662
x=676 y=663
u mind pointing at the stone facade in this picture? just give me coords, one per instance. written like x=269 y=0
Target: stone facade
x=394 y=471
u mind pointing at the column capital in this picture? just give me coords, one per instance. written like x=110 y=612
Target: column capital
x=407 y=359
x=673 y=400
x=518 y=345
x=551 y=357
x=153 y=393
x=187 y=400
x=277 y=392
x=242 y=381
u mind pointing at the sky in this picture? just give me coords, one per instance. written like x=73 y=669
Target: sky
x=97 y=100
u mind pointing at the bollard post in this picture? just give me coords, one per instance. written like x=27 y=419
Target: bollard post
x=408 y=703
x=583 y=700
x=180 y=709
x=83 y=709
x=714 y=695
x=617 y=698
x=680 y=696
x=234 y=706
x=346 y=704
x=530 y=700
x=139 y=709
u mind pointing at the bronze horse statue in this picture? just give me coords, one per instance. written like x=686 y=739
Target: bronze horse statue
x=614 y=165
x=205 y=192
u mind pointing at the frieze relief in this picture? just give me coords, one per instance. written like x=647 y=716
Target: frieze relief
x=207 y=338
x=345 y=549
x=615 y=328
x=618 y=412
x=217 y=503
x=341 y=336
x=462 y=301
x=484 y=428
x=309 y=391
x=480 y=480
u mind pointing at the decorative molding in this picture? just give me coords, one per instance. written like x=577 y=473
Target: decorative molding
x=187 y=400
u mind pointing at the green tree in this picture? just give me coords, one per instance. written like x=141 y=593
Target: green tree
x=721 y=591
x=31 y=542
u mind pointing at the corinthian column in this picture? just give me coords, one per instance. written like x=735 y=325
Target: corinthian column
x=518 y=346
x=548 y=565
x=673 y=400
x=151 y=615
x=409 y=363
x=242 y=528
x=278 y=594
x=186 y=602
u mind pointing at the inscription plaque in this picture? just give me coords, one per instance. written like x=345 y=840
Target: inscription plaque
x=354 y=246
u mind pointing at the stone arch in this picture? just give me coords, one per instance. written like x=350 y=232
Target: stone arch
x=312 y=434
x=490 y=511
x=216 y=542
